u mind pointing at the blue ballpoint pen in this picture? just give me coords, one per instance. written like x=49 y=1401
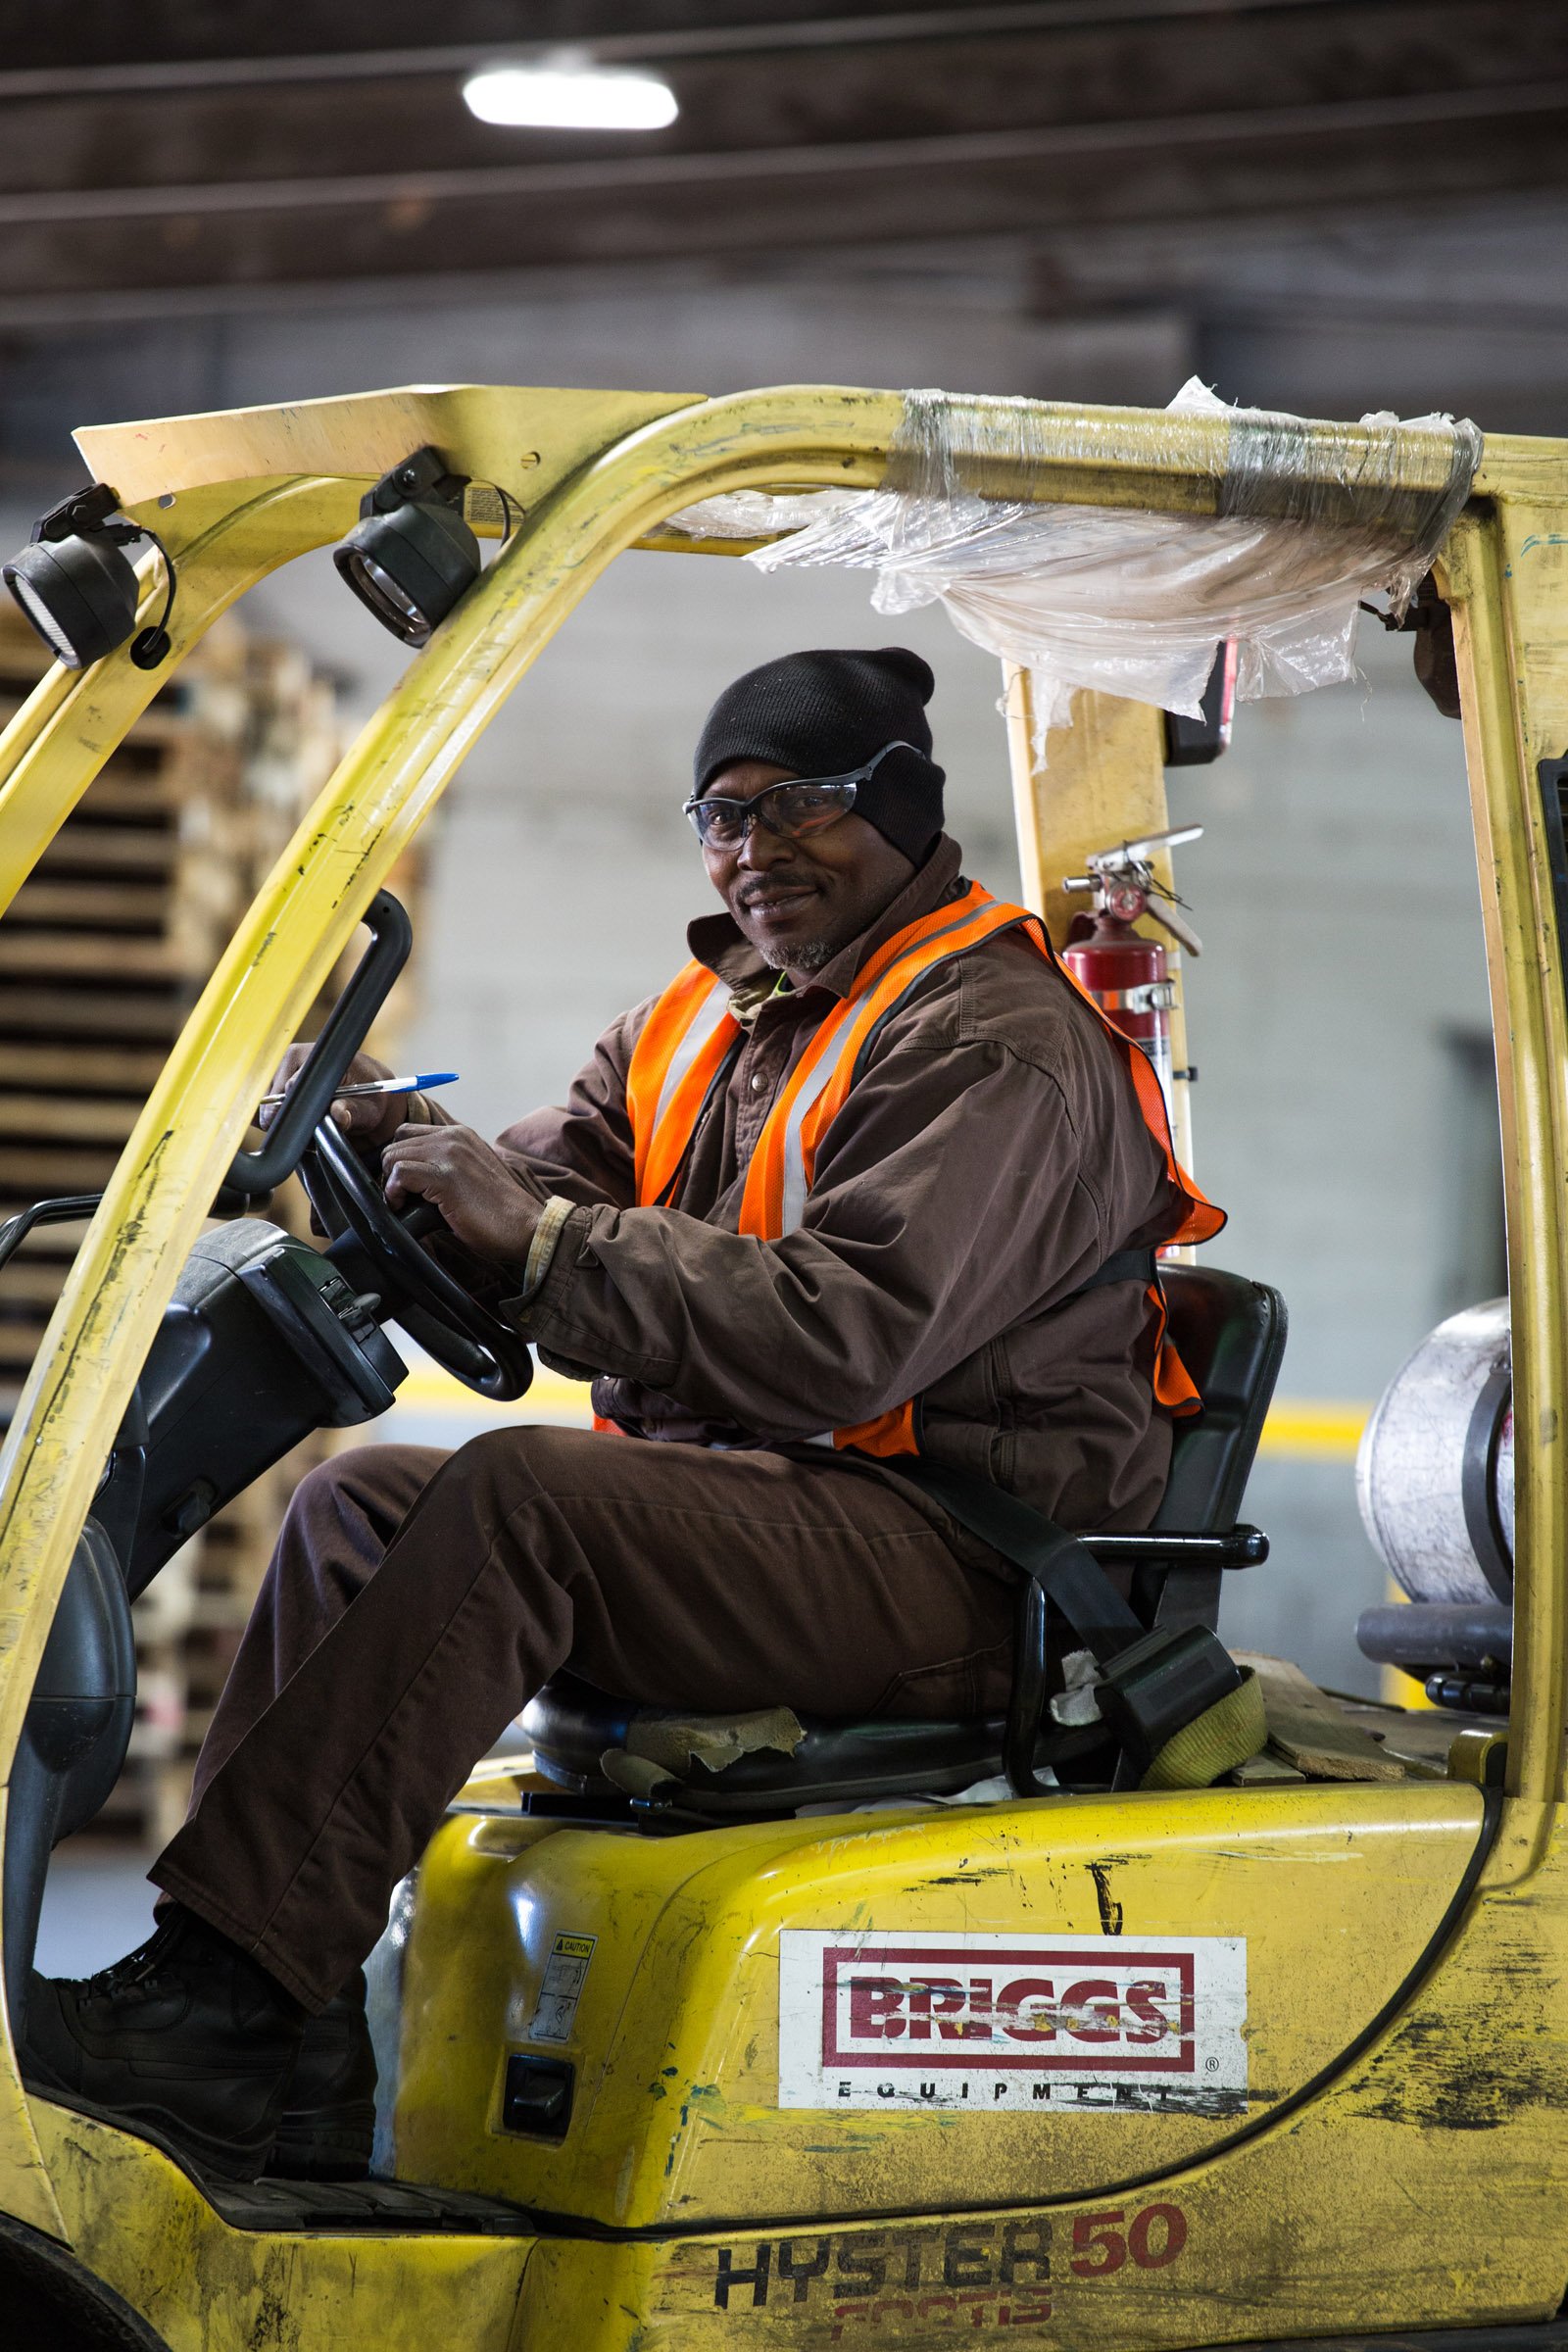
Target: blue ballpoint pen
x=419 y=1083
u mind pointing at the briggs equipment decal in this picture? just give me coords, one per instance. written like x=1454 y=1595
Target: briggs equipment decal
x=1089 y=2024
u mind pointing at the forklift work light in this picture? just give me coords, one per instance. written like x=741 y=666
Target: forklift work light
x=78 y=587
x=410 y=556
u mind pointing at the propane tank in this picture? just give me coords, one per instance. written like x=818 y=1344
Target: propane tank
x=1125 y=971
x=1433 y=1476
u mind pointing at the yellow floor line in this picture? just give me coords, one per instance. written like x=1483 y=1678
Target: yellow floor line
x=1301 y=1428
x=1313 y=1429
x=429 y=1389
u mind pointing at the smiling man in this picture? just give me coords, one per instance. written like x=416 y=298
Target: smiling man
x=852 y=1189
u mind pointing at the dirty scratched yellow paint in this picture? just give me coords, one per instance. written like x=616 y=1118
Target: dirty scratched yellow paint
x=1117 y=2070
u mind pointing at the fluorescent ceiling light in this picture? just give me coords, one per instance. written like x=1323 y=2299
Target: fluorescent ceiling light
x=570 y=97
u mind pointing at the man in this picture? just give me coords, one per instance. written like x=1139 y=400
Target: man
x=835 y=1199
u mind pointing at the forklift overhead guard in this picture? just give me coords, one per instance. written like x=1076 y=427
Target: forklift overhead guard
x=896 y=2027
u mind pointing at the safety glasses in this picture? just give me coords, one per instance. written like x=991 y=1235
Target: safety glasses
x=795 y=809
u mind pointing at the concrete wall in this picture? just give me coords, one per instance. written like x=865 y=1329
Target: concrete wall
x=1336 y=893
x=566 y=873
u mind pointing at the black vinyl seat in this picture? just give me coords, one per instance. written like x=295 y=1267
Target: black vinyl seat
x=74 y=1737
x=1231 y=1335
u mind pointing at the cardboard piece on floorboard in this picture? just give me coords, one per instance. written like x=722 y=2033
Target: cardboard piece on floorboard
x=1266 y=1771
x=1308 y=1731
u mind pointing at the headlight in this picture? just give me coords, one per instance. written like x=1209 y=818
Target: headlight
x=78 y=588
x=410 y=556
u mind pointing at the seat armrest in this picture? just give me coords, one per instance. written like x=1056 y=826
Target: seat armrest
x=1162 y=1547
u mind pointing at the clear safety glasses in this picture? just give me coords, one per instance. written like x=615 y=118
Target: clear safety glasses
x=800 y=806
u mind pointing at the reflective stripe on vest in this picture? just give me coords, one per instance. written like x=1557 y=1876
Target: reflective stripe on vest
x=690 y=1036
x=685 y=1043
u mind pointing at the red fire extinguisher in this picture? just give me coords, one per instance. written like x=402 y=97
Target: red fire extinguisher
x=1125 y=973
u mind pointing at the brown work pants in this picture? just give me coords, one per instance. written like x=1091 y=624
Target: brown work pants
x=416 y=1600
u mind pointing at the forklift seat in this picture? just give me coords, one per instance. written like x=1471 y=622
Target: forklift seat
x=74 y=1741
x=1231 y=1335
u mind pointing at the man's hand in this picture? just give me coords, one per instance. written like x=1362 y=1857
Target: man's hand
x=367 y=1120
x=489 y=1205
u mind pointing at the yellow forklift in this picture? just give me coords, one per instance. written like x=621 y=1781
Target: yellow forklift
x=878 y=2036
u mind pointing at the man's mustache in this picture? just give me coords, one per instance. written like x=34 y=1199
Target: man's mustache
x=751 y=893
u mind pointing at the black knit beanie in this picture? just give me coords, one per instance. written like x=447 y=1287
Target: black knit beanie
x=824 y=713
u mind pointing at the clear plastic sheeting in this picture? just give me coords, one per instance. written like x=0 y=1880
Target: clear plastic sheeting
x=759 y=514
x=1306 y=522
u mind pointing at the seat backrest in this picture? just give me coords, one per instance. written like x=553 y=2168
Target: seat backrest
x=1230 y=1337
x=1230 y=1334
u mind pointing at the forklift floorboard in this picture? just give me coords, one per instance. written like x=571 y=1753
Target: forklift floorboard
x=361 y=2208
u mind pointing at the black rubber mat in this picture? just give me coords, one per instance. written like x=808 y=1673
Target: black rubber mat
x=349 y=2208
x=361 y=2208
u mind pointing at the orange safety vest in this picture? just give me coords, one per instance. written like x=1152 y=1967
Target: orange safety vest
x=690 y=1037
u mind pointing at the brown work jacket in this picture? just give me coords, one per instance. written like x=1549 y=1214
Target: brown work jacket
x=988 y=1158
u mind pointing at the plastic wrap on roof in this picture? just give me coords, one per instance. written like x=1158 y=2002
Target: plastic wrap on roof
x=1133 y=600
x=759 y=514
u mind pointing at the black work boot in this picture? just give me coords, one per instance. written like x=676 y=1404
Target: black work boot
x=187 y=2039
x=329 y=2125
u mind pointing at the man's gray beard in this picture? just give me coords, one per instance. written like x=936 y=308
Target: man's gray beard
x=808 y=958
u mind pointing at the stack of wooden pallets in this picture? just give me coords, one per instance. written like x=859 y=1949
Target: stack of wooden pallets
x=101 y=958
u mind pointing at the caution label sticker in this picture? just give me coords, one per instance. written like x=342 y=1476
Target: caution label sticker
x=566 y=1973
x=1091 y=2023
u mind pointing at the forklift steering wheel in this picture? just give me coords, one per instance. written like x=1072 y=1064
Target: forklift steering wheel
x=469 y=1342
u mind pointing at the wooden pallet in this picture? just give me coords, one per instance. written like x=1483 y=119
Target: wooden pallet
x=102 y=956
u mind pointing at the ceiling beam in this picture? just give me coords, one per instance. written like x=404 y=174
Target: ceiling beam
x=94 y=154
x=1035 y=183
x=121 y=77
x=106 y=61
x=841 y=160
x=907 y=133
